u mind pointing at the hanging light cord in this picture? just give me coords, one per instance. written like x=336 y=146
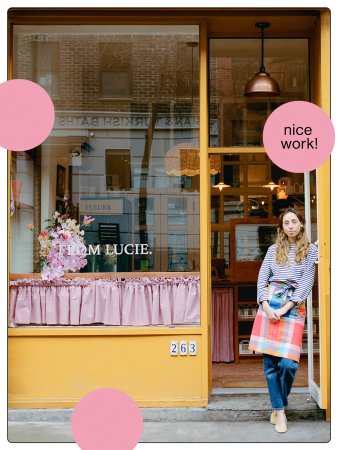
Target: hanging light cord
x=262 y=69
x=192 y=80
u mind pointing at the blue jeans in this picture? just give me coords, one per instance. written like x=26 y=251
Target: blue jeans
x=280 y=374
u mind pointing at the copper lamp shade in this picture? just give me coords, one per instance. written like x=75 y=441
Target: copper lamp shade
x=262 y=85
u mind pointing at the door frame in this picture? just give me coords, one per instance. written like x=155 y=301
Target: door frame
x=319 y=51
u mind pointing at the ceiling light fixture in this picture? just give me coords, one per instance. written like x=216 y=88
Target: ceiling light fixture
x=262 y=85
x=271 y=185
x=221 y=185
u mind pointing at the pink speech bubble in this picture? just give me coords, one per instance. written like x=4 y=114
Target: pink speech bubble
x=107 y=419
x=298 y=136
x=26 y=115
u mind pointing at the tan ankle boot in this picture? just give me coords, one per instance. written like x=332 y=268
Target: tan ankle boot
x=273 y=417
x=281 y=428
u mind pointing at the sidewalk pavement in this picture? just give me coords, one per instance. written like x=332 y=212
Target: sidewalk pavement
x=250 y=431
x=230 y=416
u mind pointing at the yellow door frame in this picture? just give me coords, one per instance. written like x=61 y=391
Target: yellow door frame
x=323 y=96
x=205 y=261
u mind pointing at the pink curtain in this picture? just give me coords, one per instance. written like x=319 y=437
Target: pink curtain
x=222 y=325
x=83 y=301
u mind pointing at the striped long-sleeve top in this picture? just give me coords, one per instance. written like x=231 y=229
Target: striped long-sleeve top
x=299 y=275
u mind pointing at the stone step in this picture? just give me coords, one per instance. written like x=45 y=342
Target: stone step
x=238 y=407
x=222 y=407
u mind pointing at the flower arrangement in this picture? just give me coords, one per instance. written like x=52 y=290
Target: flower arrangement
x=62 y=246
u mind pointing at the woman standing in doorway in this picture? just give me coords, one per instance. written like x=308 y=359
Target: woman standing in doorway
x=285 y=280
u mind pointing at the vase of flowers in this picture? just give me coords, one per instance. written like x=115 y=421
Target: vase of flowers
x=62 y=246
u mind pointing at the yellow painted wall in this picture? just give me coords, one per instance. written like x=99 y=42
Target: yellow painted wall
x=57 y=371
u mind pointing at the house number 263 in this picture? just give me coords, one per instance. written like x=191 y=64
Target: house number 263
x=183 y=348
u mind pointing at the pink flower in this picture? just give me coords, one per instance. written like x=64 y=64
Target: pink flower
x=88 y=220
x=43 y=234
x=30 y=226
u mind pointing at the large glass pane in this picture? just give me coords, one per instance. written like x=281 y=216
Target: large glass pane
x=238 y=121
x=315 y=297
x=125 y=144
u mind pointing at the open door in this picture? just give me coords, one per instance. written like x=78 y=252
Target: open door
x=312 y=329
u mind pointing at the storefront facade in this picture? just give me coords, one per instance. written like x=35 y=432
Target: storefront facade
x=150 y=115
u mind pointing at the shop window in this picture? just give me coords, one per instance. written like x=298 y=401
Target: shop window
x=123 y=109
x=114 y=151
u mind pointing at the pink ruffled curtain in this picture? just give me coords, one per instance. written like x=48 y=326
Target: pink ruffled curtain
x=222 y=325
x=82 y=301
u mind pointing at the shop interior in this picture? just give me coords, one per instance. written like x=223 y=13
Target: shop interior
x=244 y=217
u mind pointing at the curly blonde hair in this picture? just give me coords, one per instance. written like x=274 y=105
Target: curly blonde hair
x=282 y=242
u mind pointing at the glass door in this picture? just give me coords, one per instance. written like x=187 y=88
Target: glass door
x=312 y=335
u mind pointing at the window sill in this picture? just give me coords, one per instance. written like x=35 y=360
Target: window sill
x=160 y=330
x=98 y=275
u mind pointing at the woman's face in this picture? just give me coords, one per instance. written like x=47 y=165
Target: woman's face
x=291 y=226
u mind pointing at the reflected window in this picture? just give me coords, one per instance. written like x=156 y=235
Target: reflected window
x=118 y=175
x=178 y=251
x=46 y=64
x=177 y=211
x=116 y=84
x=115 y=69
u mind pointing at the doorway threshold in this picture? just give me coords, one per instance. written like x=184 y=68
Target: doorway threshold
x=225 y=391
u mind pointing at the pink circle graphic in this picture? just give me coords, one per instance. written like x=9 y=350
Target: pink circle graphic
x=26 y=115
x=298 y=136
x=107 y=419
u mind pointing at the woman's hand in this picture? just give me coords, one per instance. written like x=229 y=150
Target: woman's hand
x=281 y=311
x=275 y=314
x=271 y=313
x=284 y=309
